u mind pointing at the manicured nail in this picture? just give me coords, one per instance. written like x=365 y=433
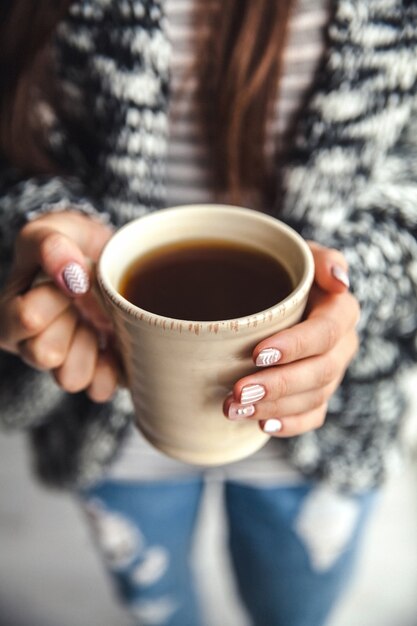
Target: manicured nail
x=268 y=356
x=239 y=412
x=272 y=426
x=252 y=393
x=75 y=279
x=341 y=275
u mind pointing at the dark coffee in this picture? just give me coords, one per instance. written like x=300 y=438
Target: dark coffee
x=205 y=280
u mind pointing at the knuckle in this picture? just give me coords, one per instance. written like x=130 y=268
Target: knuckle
x=50 y=246
x=327 y=371
x=332 y=333
x=355 y=308
x=320 y=398
x=27 y=318
x=298 y=347
x=41 y=356
x=283 y=386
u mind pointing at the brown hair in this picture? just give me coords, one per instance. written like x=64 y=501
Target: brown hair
x=239 y=79
x=239 y=76
x=25 y=29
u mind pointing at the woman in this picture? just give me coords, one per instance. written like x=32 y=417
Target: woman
x=106 y=105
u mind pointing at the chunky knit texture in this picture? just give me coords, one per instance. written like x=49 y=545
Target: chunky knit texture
x=351 y=183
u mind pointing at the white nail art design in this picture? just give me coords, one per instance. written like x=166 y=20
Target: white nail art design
x=236 y=411
x=341 y=275
x=252 y=393
x=268 y=356
x=75 y=278
x=272 y=426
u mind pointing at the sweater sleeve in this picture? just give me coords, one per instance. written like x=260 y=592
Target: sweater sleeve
x=351 y=184
x=359 y=444
x=28 y=397
x=375 y=225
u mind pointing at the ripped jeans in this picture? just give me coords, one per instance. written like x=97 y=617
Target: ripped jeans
x=292 y=548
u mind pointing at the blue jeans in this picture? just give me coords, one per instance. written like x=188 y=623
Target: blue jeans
x=292 y=548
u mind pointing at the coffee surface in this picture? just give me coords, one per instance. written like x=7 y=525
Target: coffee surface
x=205 y=280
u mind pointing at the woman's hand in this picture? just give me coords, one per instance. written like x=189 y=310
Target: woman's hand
x=301 y=367
x=57 y=324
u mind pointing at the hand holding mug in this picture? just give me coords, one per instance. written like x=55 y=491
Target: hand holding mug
x=179 y=367
x=302 y=366
x=56 y=325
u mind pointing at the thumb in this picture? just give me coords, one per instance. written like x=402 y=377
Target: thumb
x=61 y=246
x=52 y=255
x=331 y=269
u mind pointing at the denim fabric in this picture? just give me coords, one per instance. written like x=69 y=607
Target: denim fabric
x=293 y=548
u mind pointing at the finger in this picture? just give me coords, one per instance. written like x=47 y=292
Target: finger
x=88 y=234
x=328 y=321
x=57 y=255
x=331 y=269
x=29 y=314
x=295 y=424
x=77 y=372
x=49 y=349
x=105 y=379
x=287 y=405
x=300 y=376
x=60 y=244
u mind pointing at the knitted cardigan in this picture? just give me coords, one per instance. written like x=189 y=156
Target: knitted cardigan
x=350 y=183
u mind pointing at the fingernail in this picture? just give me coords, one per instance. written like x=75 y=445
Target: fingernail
x=268 y=356
x=272 y=426
x=75 y=279
x=341 y=275
x=252 y=393
x=238 y=412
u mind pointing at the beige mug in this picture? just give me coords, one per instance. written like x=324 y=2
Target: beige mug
x=179 y=372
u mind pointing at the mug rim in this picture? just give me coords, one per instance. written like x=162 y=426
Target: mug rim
x=131 y=311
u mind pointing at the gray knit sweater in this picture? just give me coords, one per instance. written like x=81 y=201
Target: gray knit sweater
x=350 y=183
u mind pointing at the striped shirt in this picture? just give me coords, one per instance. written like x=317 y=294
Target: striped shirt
x=188 y=178
x=188 y=182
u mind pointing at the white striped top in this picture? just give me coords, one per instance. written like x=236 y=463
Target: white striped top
x=188 y=182
x=188 y=179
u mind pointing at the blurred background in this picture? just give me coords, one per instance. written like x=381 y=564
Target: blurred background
x=50 y=574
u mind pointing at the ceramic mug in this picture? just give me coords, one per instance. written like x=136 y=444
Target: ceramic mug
x=179 y=372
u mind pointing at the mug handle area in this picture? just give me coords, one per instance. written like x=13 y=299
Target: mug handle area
x=41 y=278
